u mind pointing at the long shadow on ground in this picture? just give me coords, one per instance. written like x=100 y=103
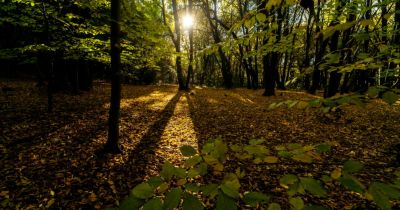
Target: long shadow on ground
x=139 y=160
x=64 y=163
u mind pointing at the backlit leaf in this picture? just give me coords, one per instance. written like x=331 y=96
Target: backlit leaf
x=191 y=202
x=172 y=198
x=225 y=202
x=187 y=150
x=313 y=186
x=297 y=203
x=143 y=191
x=253 y=198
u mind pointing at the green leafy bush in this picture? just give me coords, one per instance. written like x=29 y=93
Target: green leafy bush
x=181 y=187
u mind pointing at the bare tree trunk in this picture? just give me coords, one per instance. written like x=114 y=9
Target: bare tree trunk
x=269 y=75
x=190 y=67
x=319 y=53
x=177 y=43
x=334 y=76
x=47 y=60
x=113 y=120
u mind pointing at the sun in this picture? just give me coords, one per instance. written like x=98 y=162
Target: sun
x=188 y=21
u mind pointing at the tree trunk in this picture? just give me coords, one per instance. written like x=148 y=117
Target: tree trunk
x=190 y=67
x=334 y=76
x=48 y=60
x=319 y=53
x=113 y=120
x=225 y=63
x=177 y=43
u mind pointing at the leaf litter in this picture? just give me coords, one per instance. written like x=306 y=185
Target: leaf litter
x=52 y=160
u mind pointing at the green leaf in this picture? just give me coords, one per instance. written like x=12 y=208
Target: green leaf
x=280 y=148
x=326 y=178
x=314 y=103
x=373 y=92
x=155 y=181
x=131 y=203
x=367 y=22
x=302 y=157
x=258 y=150
x=236 y=148
x=180 y=172
x=253 y=198
x=143 y=191
x=230 y=190
x=210 y=190
x=380 y=198
x=192 y=187
x=387 y=189
x=225 y=202
x=153 y=204
x=261 y=17
x=172 y=198
x=214 y=162
x=220 y=149
x=230 y=185
x=313 y=186
x=322 y=148
x=274 y=206
x=390 y=97
x=297 y=203
x=163 y=187
x=288 y=179
x=295 y=188
x=352 y=166
x=207 y=148
x=202 y=169
x=167 y=171
x=256 y=141
x=193 y=173
x=302 y=105
x=191 y=203
x=187 y=150
x=271 y=159
x=193 y=161
x=285 y=154
x=351 y=183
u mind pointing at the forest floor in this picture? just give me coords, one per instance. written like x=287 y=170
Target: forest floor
x=52 y=161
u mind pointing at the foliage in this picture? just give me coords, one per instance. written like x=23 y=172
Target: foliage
x=389 y=95
x=181 y=187
x=80 y=31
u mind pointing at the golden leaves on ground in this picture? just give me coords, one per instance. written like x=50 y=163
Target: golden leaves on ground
x=51 y=160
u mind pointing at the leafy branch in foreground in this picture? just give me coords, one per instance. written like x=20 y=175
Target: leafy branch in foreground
x=184 y=187
x=390 y=96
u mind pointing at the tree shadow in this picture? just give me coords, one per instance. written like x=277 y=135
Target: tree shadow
x=29 y=127
x=138 y=160
x=66 y=161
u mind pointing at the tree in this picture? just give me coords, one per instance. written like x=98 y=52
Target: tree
x=113 y=120
x=190 y=66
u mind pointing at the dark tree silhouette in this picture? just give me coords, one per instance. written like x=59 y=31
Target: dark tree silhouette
x=113 y=120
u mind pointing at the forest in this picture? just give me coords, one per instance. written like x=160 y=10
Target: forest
x=200 y=104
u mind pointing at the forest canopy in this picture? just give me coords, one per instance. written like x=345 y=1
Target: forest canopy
x=335 y=45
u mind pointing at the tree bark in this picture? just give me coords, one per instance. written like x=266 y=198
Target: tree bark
x=225 y=63
x=48 y=60
x=113 y=120
x=334 y=76
x=190 y=67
